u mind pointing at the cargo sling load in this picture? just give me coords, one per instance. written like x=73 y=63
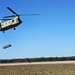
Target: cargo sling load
x=11 y=21
x=6 y=46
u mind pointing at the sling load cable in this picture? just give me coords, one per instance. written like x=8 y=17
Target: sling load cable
x=4 y=38
x=8 y=40
x=4 y=41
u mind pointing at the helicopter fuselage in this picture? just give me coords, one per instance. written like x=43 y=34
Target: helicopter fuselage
x=10 y=24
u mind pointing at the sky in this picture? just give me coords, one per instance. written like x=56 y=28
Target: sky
x=50 y=34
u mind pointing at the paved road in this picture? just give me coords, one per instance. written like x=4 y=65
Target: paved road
x=34 y=63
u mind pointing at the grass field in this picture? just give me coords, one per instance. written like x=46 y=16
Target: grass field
x=46 y=69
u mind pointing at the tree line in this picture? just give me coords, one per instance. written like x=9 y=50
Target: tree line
x=41 y=59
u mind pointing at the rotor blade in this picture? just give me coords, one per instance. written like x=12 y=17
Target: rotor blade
x=28 y=14
x=21 y=15
x=12 y=11
x=9 y=16
x=5 y=19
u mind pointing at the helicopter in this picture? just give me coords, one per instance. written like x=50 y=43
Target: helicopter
x=12 y=21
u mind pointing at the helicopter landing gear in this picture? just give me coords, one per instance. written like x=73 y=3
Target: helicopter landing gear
x=14 y=28
x=3 y=31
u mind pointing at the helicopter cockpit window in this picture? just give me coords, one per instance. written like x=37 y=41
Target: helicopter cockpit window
x=16 y=20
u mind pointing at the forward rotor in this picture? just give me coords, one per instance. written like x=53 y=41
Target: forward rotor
x=21 y=15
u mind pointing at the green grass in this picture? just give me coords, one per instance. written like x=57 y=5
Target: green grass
x=49 y=69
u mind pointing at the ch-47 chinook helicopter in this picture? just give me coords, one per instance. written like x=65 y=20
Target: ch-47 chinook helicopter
x=12 y=21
